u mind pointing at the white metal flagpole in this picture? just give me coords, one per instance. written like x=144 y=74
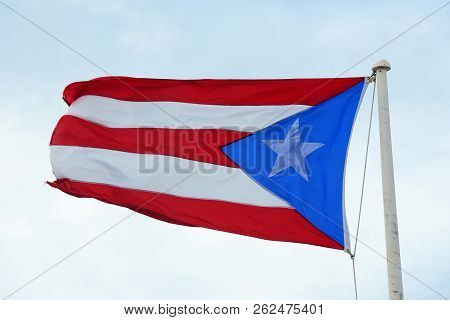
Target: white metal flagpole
x=395 y=282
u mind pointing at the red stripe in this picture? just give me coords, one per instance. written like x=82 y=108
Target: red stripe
x=279 y=224
x=214 y=92
x=201 y=145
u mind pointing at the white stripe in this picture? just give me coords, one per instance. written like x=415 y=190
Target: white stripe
x=125 y=114
x=160 y=173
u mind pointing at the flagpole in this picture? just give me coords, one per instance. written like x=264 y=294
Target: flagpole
x=395 y=282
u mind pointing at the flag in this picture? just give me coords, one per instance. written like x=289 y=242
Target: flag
x=261 y=158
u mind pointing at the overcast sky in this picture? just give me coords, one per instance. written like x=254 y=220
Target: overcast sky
x=148 y=259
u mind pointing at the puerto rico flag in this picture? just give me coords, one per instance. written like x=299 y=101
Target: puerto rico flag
x=261 y=158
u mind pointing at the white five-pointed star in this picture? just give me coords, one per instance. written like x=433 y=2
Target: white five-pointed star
x=292 y=152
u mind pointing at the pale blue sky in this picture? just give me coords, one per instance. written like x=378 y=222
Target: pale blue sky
x=147 y=259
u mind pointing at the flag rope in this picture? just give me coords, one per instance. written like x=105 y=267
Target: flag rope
x=353 y=255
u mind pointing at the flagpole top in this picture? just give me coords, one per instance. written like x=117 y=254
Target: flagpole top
x=382 y=64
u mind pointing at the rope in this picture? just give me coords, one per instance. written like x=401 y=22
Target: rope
x=353 y=255
x=354 y=276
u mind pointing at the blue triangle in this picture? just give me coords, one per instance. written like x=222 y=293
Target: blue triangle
x=317 y=191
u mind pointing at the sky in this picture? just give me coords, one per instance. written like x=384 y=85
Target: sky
x=144 y=258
